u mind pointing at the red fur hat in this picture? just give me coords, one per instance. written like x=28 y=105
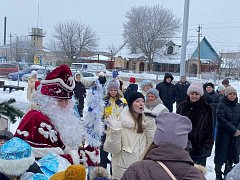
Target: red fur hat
x=59 y=83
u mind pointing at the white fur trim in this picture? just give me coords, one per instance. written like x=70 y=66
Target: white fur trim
x=40 y=152
x=67 y=150
x=60 y=81
x=16 y=167
x=24 y=133
x=83 y=160
x=75 y=156
x=94 y=158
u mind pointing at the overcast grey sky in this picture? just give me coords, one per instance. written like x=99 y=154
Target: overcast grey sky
x=220 y=19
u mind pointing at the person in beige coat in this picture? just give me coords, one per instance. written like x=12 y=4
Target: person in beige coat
x=129 y=134
x=31 y=84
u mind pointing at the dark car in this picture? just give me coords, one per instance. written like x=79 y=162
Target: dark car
x=5 y=69
x=21 y=73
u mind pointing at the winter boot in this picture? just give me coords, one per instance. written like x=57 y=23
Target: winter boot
x=228 y=168
x=218 y=172
x=219 y=177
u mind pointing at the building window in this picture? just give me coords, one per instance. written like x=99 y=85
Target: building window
x=133 y=50
x=133 y=66
x=170 y=50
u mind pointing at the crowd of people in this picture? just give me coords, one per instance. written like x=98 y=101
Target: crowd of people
x=140 y=136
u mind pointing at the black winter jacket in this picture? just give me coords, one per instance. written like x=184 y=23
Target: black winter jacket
x=201 y=136
x=181 y=89
x=79 y=91
x=213 y=99
x=167 y=92
x=102 y=80
x=228 y=117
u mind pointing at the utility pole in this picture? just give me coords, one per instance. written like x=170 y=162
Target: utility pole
x=5 y=29
x=184 y=38
x=10 y=46
x=17 y=60
x=199 y=73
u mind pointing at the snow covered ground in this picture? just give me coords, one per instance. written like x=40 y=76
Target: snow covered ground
x=22 y=103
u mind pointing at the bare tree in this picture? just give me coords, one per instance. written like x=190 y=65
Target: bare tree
x=113 y=49
x=55 y=48
x=74 y=38
x=148 y=28
x=20 y=49
x=231 y=63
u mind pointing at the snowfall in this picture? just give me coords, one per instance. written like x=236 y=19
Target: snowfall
x=22 y=102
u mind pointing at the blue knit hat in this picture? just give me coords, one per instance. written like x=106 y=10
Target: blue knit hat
x=145 y=83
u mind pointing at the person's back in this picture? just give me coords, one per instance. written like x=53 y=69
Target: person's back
x=102 y=78
x=131 y=87
x=31 y=84
x=167 y=149
x=181 y=90
x=177 y=161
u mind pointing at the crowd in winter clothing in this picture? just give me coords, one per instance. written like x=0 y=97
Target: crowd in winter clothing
x=142 y=137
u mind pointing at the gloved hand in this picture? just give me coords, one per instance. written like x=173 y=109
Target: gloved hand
x=118 y=111
x=114 y=122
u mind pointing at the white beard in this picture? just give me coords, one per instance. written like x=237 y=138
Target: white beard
x=67 y=124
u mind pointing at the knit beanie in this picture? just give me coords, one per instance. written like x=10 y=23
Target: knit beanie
x=221 y=87
x=113 y=84
x=132 y=79
x=172 y=128
x=195 y=86
x=145 y=83
x=73 y=172
x=133 y=96
x=229 y=90
x=208 y=84
x=153 y=91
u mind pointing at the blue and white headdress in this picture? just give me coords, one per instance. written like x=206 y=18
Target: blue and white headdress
x=15 y=157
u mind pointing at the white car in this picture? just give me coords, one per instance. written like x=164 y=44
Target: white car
x=88 y=78
x=41 y=74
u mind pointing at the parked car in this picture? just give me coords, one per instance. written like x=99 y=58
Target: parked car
x=40 y=75
x=14 y=76
x=87 y=78
x=89 y=67
x=5 y=69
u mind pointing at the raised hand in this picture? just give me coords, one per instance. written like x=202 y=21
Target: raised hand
x=114 y=122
